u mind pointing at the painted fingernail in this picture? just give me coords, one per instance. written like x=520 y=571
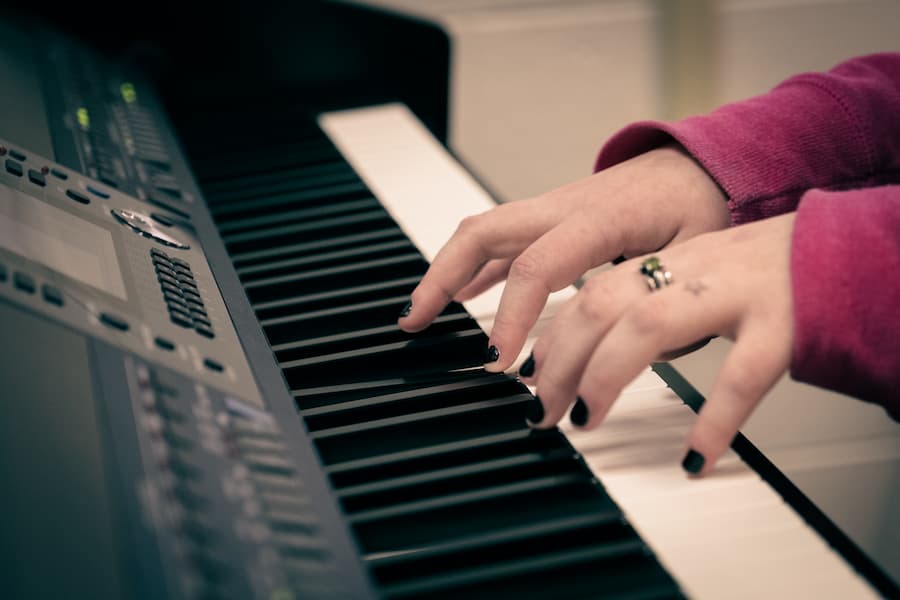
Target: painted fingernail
x=534 y=411
x=693 y=462
x=406 y=309
x=579 y=413
x=493 y=355
x=527 y=368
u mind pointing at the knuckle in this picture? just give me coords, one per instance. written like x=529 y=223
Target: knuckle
x=527 y=267
x=595 y=300
x=743 y=386
x=648 y=318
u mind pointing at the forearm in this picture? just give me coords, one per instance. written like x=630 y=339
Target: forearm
x=834 y=130
x=844 y=259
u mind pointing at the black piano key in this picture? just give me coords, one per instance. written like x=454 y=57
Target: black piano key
x=354 y=294
x=323 y=245
x=295 y=215
x=417 y=356
x=417 y=400
x=331 y=278
x=618 y=571
x=325 y=259
x=403 y=527
x=316 y=182
x=258 y=206
x=360 y=338
x=393 y=494
x=316 y=230
x=430 y=432
x=423 y=464
x=334 y=320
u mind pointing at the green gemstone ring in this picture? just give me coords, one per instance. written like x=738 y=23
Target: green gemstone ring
x=655 y=274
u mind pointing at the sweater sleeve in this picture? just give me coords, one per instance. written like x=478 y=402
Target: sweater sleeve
x=834 y=130
x=845 y=258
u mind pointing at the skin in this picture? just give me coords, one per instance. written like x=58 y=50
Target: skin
x=732 y=282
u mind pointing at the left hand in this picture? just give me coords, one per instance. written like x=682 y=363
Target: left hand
x=733 y=283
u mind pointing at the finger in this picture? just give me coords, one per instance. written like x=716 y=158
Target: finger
x=574 y=336
x=502 y=232
x=751 y=369
x=554 y=261
x=493 y=272
x=668 y=318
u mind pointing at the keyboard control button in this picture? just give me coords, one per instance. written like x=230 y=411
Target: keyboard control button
x=113 y=321
x=17 y=155
x=164 y=344
x=59 y=174
x=3 y=273
x=213 y=365
x=98 y=193
x=78 y=196
x=37 y=178
x=52 y=294
x=14 y=167
x=24 y=282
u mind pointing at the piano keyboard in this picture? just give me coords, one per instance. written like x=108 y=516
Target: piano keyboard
x=446 y=490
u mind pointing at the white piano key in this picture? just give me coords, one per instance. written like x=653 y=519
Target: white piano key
x=727 y=535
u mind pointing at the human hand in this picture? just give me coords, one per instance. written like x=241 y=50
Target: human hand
x=734 y=283
x=543 y=244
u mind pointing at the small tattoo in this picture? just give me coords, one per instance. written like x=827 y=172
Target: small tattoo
x=695 y=287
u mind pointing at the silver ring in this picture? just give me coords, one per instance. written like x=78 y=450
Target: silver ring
x=656 y=276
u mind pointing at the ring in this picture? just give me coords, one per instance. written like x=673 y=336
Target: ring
x=655 y=274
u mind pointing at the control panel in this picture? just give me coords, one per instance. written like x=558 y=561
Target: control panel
x=86 y=254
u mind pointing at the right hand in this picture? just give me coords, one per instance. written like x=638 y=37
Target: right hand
x=543 y=244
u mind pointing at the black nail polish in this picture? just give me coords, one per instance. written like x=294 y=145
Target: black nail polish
x=579 y=414
x=693 y=462
x=493 y=355
x=527 y=368
x=406 y=309
x=534 y=411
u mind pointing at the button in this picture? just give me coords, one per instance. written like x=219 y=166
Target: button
x=180 y=318
x=52 y=294
x=14 y=167
x=24 y=282
x=3 y=273
x=213 y=365
x=59 y=174
x=37 y=178
x=205 y=331
x=171 y=290
x=159 y=253
x=17 y=155
x=165 y=344
x=98 y=193
x=162 y=219
x=162 y=277
x=165 y=270
x=78 y=196
x=200 y=318
x=113 y=321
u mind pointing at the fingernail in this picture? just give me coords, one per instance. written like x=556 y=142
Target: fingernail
x=493 y=355
x=406 y=309
x=693 y=462
x=527 y=368
x=534 y=411
x=579 y=413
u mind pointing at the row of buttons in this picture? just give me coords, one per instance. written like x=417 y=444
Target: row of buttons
x=180 y=293
x=25 y=283
x=39 y=178
x=53 y=295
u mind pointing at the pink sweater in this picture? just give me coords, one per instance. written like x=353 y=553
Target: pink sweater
x=826 y=145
